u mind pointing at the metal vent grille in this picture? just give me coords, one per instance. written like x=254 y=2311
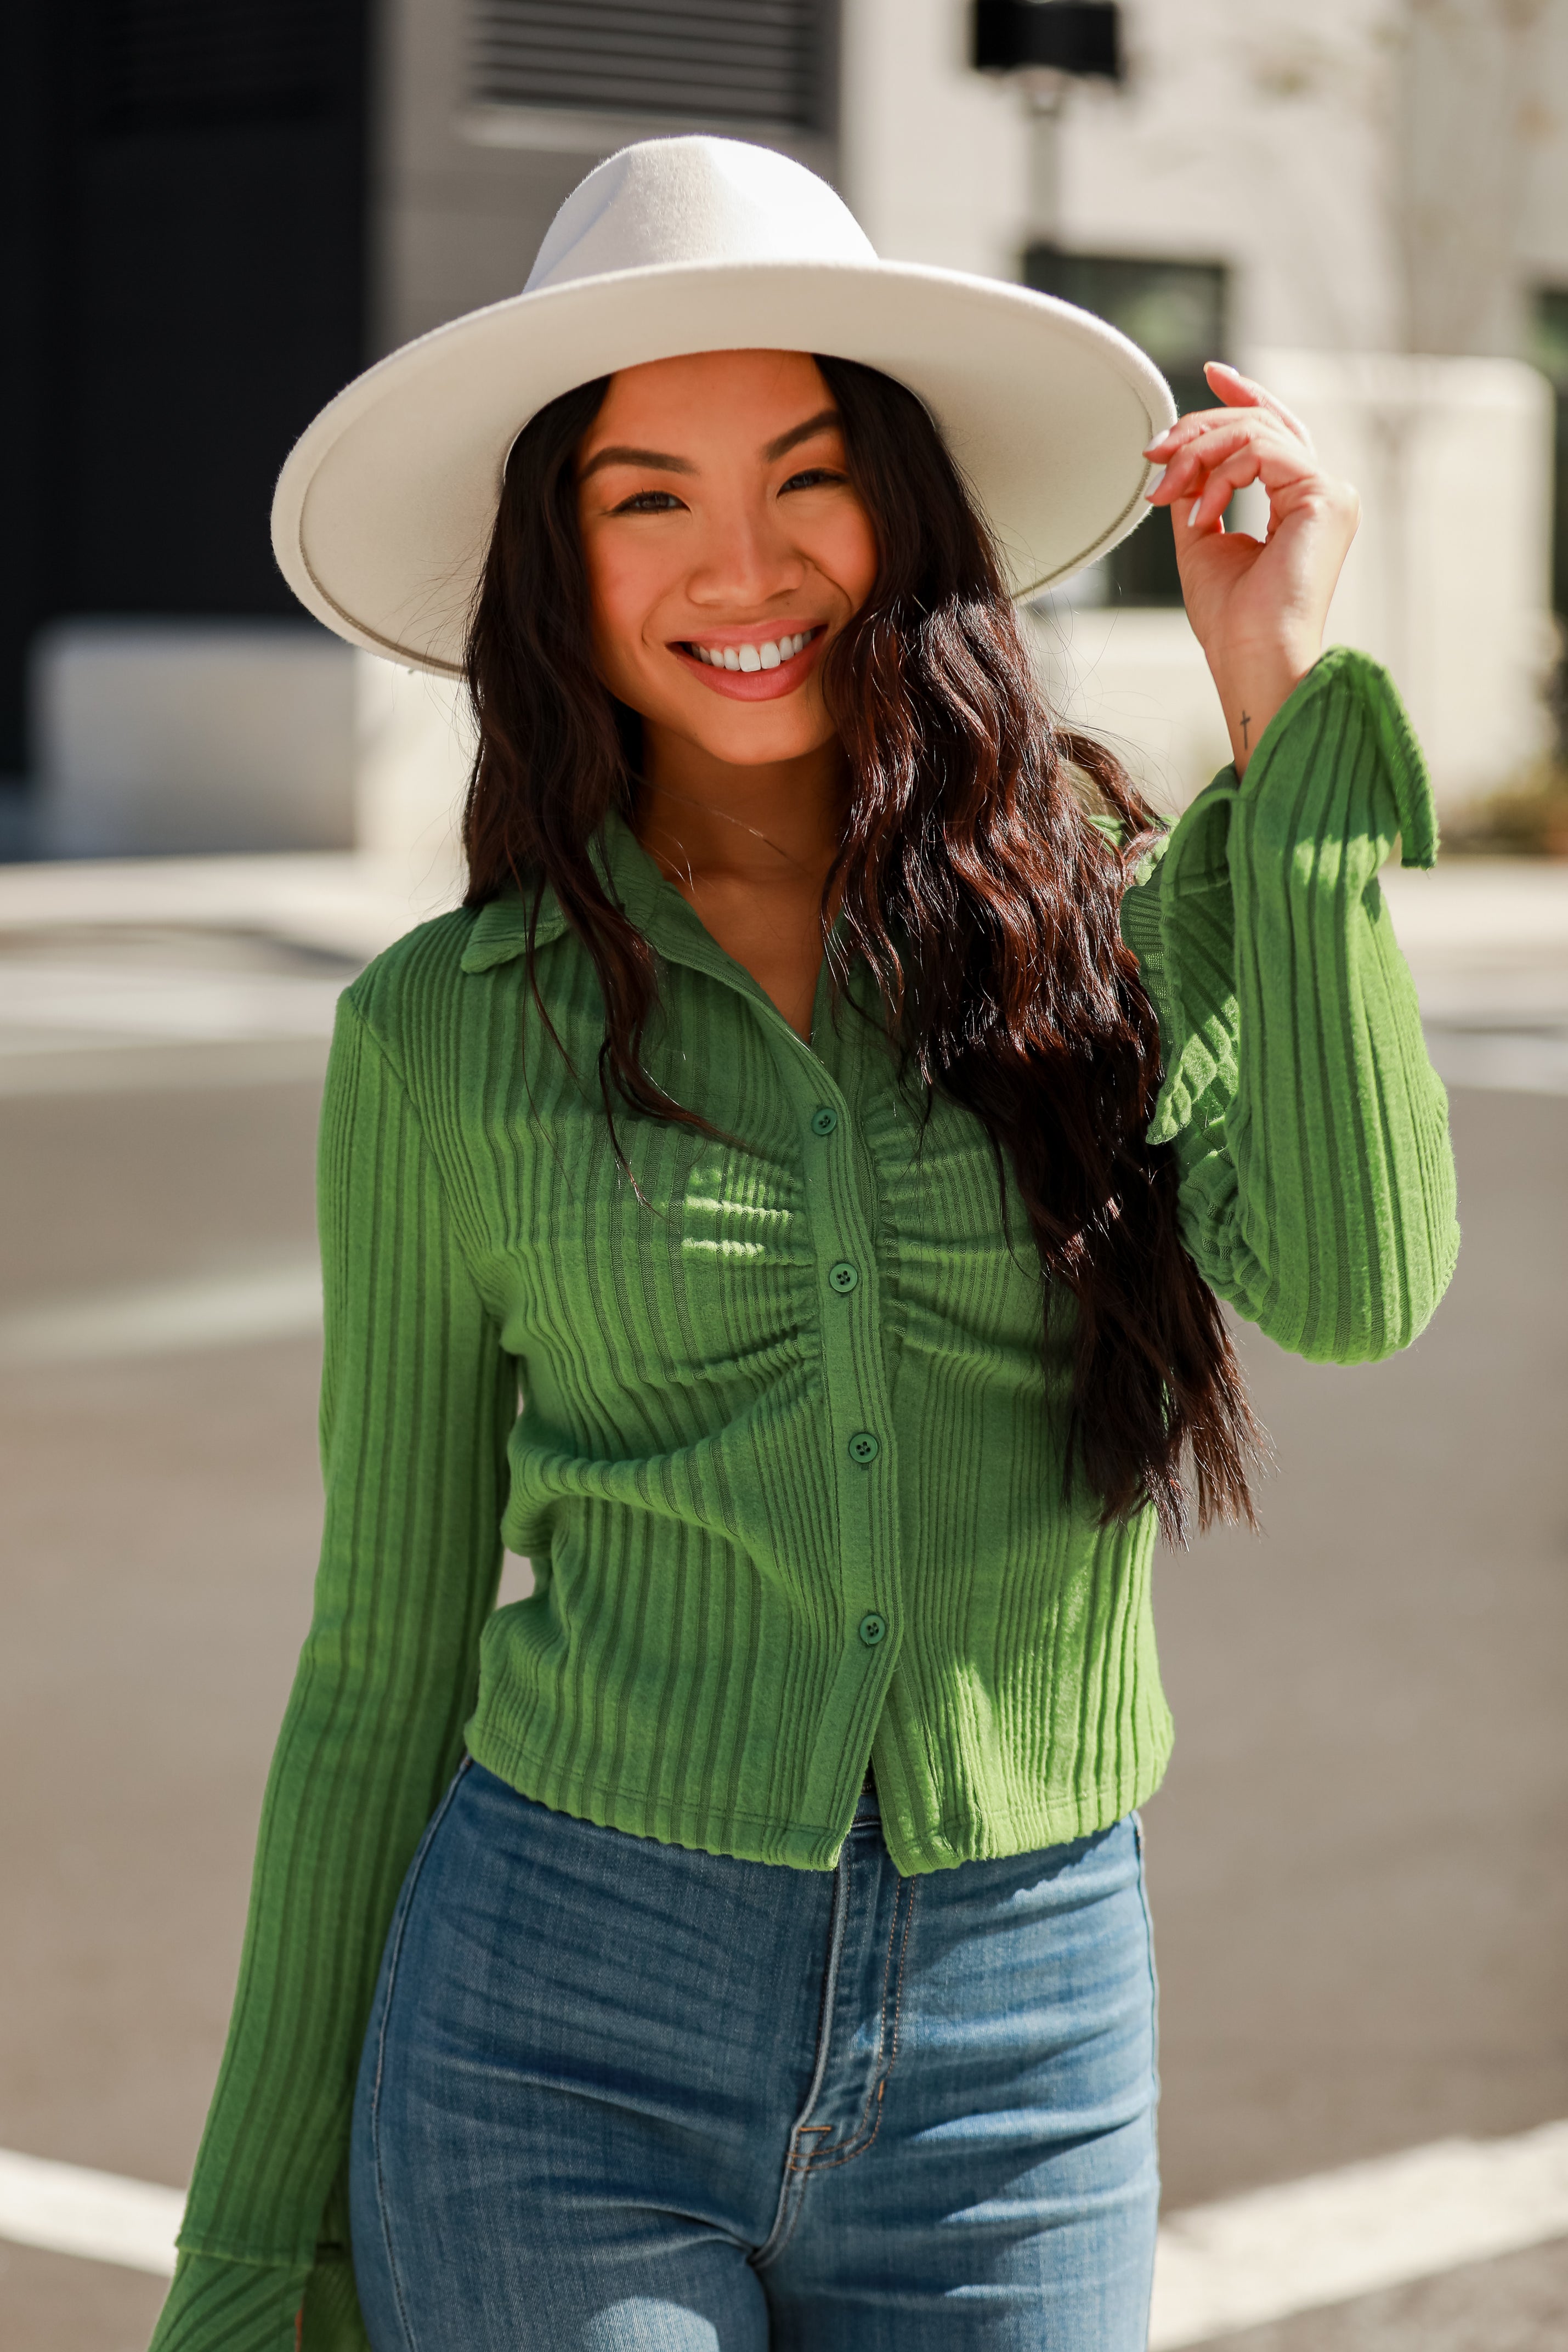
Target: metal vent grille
x=754 y=61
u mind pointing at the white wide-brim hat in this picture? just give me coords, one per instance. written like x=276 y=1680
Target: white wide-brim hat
x=385 y=506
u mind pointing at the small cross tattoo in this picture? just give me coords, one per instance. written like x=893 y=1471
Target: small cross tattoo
x=1246 y=723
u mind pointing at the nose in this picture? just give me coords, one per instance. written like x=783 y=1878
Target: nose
x=746 y=559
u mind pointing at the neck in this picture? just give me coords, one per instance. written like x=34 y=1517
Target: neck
x=701 y=817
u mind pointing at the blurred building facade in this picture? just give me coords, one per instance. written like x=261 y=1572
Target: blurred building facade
x=222 y=208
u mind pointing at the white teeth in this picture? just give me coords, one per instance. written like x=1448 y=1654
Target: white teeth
x=754 y=658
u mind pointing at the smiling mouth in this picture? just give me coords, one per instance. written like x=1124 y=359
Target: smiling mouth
x=766 y=654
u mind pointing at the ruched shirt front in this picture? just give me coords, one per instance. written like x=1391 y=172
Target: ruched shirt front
x=767 y=1408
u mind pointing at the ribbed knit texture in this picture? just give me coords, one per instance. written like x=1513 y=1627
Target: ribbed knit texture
x=699 y=1662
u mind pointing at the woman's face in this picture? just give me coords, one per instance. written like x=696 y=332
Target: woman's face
x=725 y=546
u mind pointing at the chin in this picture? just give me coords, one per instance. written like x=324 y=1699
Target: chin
x=761 y=747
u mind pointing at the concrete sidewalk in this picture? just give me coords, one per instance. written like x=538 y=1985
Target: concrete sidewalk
x=345 y=902
x=1478 y=914
x=189 y=958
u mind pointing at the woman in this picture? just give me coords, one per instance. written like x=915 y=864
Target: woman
x=844 y=1161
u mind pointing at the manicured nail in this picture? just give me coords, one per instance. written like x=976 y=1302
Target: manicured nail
x=1154 y=480
x=1192 y=514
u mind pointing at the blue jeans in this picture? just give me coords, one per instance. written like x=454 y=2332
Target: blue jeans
x=621 y=2097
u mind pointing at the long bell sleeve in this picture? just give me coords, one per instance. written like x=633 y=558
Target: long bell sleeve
x=417 y=1401
x=1317 y=1177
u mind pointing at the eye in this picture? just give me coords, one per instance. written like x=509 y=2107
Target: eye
x=648 y=503
x=812 y=478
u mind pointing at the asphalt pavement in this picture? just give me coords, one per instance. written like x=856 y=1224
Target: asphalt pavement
x=1361 y=1910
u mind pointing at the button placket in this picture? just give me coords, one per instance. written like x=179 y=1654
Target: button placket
x=841 y=1223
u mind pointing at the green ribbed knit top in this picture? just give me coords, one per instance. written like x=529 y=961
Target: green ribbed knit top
x=787 y=1457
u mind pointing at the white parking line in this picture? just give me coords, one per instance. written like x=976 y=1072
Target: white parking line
x=1220 y=2268
x=216 y=1311
x=1309 y=2244
x=69 y=2211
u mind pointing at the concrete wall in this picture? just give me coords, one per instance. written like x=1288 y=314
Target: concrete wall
x=464 y=194
x=1445 y=583
x=1138 y=680
x=414 y=745
x=935 y=157
x=1449 y=580
x=1337 y=158
x=1376 y=177
x=171 y=738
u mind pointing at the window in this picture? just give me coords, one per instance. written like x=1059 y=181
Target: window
x=1176 y=311
x=758 y=62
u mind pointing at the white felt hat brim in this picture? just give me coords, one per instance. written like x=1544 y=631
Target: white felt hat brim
x=385 y=506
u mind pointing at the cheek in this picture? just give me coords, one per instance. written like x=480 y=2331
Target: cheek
x=850 y=555
x=621 y=598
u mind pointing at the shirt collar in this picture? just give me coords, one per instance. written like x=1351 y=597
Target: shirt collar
x=500 y=933
x=671 y=927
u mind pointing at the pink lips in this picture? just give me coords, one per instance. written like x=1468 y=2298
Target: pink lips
x=759 y=685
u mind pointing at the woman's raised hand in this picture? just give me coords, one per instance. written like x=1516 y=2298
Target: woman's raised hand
x=1257 y=606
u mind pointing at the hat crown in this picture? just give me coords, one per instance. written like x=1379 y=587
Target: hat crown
x=694 y=200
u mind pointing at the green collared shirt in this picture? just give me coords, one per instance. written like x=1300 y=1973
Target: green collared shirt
x=787 y=1458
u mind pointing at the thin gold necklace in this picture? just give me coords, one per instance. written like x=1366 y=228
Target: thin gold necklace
x=667 y=792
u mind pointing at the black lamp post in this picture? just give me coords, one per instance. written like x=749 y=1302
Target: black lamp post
x=1065 y=37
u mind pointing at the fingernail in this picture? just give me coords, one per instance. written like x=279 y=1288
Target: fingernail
x=1155 y=478
x=1192 y=514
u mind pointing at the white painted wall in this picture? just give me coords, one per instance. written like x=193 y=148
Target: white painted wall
x=1447 y=580
x=1543 y=127
x=934 y=158
x=1138 y=680
x=1374 y=172
x=1256 y=135
x=464 y=194
x=413 y=747
x=1336 y=158
x=183 y=736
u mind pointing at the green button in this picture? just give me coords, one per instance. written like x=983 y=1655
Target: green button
x=823 y=1122
x=843 y=1277
x=863 y=1447
x=872 y=1628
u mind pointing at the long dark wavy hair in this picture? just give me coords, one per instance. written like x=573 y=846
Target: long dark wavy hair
x=971 y=880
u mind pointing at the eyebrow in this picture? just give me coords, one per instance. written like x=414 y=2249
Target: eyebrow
x=658 y=461
x=799 y=433
x=619 y=455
